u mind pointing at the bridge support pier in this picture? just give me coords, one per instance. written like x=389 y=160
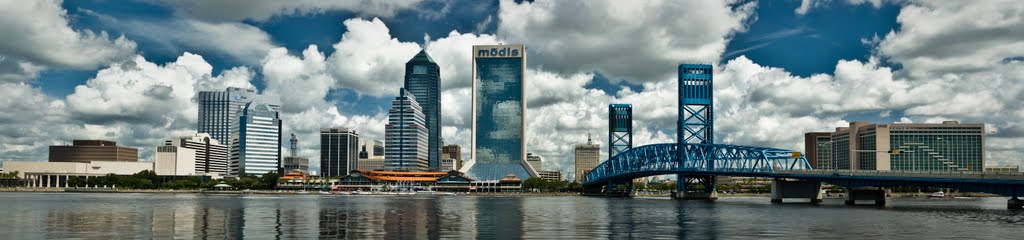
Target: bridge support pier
x=701 y=188
x=619 y=189
x=782 y=188
x=868 y=193
x=1015 y=203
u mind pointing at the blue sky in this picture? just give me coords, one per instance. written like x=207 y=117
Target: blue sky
x=803 y=45
x=782 y=67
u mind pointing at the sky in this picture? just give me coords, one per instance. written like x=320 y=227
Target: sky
x=130 y=71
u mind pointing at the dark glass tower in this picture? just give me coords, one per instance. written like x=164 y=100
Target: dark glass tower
x=499 y=104
x=423 y=80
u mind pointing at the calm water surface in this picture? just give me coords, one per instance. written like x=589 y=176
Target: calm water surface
x=187 y=216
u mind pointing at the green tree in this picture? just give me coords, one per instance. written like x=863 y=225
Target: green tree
x=534 y=183
x=269 y=180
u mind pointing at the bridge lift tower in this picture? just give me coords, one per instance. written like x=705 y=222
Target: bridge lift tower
x=620 y=128
x=695 y=126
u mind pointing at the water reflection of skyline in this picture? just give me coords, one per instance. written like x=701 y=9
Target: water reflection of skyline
x=162 y=216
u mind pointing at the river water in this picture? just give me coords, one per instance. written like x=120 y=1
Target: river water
x=199 y=216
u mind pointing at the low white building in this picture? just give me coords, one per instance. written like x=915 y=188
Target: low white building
x=56 y=174
x=176 y=161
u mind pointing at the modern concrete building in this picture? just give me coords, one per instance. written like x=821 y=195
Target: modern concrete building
x=453 y=152
x=294 y=163
x=339 y=151
x=174 y=161
x=256 y=140
x=371 y=147
x=949 y=146
x=211 y=157
x=817 y=148
x=93 y=150
x=447 y=164
x=406 y=135
x=550 y=175
x=371 y=155
x=535 y=161
x=588 y=156
x=218 y=110
x=1002 y=169
x=371 y=163
x=423 y=80
x=499 y=118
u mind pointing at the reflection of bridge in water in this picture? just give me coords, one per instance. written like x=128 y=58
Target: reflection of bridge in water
x=697 y=160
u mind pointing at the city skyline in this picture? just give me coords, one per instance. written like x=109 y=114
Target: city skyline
x=781 y=69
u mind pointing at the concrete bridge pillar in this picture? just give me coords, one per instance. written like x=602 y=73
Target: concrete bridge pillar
x=865 y=193
x=796 y=189
x=1015 y=203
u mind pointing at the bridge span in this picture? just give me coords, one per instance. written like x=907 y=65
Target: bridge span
x=697 y=161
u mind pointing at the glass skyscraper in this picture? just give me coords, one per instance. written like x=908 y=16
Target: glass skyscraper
x=499 y=104
x=423 y=80
x=256 y=140
x=405 y=135
x=218 y=110
x=339 y=151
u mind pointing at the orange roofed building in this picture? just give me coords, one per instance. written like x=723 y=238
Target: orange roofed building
x=453 y=181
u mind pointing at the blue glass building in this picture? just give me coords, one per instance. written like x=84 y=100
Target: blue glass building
x=256 y=140
x=499 y=104
x=423 y=80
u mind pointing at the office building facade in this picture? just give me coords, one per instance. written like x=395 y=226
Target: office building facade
x=818 y=149
x=256 y=140
x=219 y=110
x=588 y=156
x=454 y=152
x=339 y=151
x=550 y=175
x=93 y=150
x=939 y=147
x=498 y=144
x=211 y=157
x=174 y=161
x=535 y=161
x=423 y=80
x=406 y=135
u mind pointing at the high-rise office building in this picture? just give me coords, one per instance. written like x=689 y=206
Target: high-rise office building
x=949 y=147
x=453 y=152
x=211 y=157
x=423 y=80
x=535 y=161
x=588 y=156
x=219 y=110
x=499 y=104
x=93 y=150
x=256 y=140
x=339 y=151
x=405 y=135
x=294 y=163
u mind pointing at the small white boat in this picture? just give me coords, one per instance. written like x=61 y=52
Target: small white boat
x=426 y=192
x=939 y=194
x=325 y=192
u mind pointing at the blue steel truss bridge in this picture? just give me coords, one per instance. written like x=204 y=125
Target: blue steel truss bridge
x=697 y=161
